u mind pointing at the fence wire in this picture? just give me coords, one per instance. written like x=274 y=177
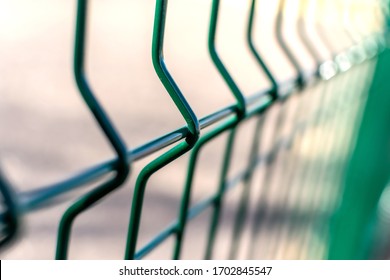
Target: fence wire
x=318 y=111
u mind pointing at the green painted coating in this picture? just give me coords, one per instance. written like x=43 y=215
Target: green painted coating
x=368 y=166
x=122 y=166
x=242 y=210
x=185 y=213
x=179 y=228
x=172 y=154
x=295 y=218
x=241 y=106
x=261 y=214
x=306 y=169
x=355 y=90
x=283 y=44
x=304 y=35
x=256 y=54
x=186 y=197
x=286 y=162
x=214 y=133
x=164 y=75
x=359 y=215
x=139 y=192
x=218 y=202
x=193 y=126
x=351 y=232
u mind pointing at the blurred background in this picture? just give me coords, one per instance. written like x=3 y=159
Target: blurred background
x=48 y=134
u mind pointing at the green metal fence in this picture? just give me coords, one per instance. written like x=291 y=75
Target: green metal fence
x=326 y=208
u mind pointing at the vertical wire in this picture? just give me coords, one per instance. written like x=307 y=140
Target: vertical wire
x=122 y=168
x=244 y=200
x=175 y=152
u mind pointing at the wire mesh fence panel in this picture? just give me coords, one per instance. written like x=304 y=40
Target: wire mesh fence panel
x=295 y=169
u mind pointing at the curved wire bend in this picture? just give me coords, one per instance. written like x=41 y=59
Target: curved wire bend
x=164 y=75
x=283 y=44
x=121 y=169
x=252 y=47
x=304 y=35
x=175 y=152
x=241 y=103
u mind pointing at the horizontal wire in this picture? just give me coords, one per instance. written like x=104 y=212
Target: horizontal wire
x=201 y=206
x=41 y=197
x=31 y=200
